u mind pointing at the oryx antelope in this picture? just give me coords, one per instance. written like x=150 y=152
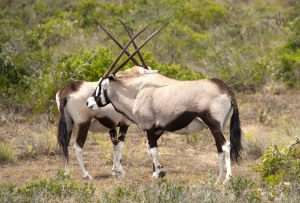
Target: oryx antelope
x=71 y=102
x=157 y=104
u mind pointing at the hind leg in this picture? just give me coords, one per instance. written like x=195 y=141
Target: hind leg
x=223 y=148
x=70 y=124
x=78 y=147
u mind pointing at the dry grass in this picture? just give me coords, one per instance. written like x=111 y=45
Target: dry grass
x=36 y=156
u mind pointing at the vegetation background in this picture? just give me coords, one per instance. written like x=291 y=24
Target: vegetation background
x=253 y=45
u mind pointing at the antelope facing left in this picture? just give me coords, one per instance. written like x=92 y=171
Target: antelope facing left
x=158 y=104
x=71 y=102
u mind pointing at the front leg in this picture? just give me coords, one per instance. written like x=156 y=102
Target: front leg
x=118 y=145
x=148 y=148
x=113 y=137
x=152 y=141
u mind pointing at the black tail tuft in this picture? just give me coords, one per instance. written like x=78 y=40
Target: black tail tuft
x=63 y=138
x=235 y=136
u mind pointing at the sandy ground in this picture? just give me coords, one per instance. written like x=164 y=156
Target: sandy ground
x=183 y=162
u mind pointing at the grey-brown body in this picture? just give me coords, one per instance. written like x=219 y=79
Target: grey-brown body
x=71 y=102
x=157 y=104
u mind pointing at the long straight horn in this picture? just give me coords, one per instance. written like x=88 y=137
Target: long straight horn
x=120 y=55
x=124 y=62
x=117 y=42
x=135 y=46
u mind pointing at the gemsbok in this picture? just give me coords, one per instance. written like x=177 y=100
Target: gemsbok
x=71 y=103
x=157 y=104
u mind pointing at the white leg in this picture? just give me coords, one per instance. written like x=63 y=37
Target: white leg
x=154 y=153
x=148 y=147
x=78 y=152
x=118 y=149
x=67 y=168
x=226 y=150
x=114 y=158
x=221 y=157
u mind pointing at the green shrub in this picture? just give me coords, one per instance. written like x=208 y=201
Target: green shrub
x=242 y=188
x=175 y=71
x=6 y=153
x=280 y=165
x=161 y=191
x=81 y=65
x=57 y=189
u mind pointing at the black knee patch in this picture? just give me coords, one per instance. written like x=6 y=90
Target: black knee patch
x=162 y=174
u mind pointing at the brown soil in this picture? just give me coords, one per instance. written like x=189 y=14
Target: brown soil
x=183 y=162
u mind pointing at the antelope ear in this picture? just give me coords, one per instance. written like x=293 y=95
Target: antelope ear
x=112 y=77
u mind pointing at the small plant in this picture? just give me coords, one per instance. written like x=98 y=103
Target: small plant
x=105 y=148
x=6 y=153
x=264 y=114
x=241 y=187
x=254 y=145
x=170 y=192
x=194 y=138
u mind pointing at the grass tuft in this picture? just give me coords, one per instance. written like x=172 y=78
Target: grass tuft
x=6 y=153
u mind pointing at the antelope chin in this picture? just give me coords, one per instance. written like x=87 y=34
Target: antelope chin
x=91 y=103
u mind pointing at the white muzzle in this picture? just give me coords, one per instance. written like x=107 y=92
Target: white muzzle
x=91 y=103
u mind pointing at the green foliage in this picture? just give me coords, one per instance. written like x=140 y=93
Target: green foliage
x=57 y=189
x=180 y=73
x=244 y=44
x=162 y=191
x=13 y=61
x=174 y=70
x=242 y=187
x=280 y=165
x=83 y=65
x=6 y=153
x=289 y=67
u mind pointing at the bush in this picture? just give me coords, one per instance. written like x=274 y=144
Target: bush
x=57 y=189
x=280 y=165
x=289 y=66
x=161 y=191
x=81 y=65
x=243 y=189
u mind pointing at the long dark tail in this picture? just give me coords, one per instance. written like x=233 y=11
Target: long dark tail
x=63 y=136
x=235 y=135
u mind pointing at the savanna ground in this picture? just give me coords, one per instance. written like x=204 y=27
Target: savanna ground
x=269 y=117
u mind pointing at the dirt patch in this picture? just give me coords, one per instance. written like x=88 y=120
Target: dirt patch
x=184 y=162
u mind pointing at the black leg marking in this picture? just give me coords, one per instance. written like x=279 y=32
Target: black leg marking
x=113 y=136
x=162 y=174
x=83 y=129
x=219 y=139
x=122 y=132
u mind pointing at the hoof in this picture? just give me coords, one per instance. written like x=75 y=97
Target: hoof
x=118 y=174
x=161 y=174
x=87 y=177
